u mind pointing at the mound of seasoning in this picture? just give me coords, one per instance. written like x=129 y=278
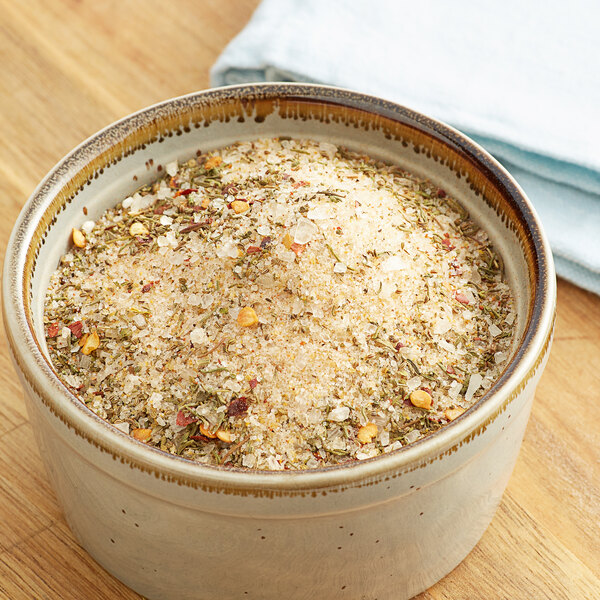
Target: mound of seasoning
x=280 y=304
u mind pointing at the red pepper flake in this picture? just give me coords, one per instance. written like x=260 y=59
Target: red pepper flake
x=184 y=419
x=447 y=243
x=300 y=184
x=52 y=330
x=297 y=249
x=428 y=390
x=199 y=438
x=237 y=407
x=173 y=182
x=253 y=250
x=186 y=192
x=400 y=345
x=76 y=328
x=455 y=269
x=159 y=210
x=460 y=297
x=441 y=193
x=265 y=241
x=253 y=383
x=450 y=370
x=147 y=287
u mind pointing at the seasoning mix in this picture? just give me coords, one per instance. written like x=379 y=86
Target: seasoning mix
x=280 y=304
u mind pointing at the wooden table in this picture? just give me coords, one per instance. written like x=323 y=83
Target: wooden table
x=68 y=68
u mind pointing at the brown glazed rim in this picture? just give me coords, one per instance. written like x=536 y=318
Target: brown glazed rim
x=255 y=101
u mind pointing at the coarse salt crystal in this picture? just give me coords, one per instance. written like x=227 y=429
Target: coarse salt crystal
x=394 y=446
x=172 y=239
x=474 y=384
x=305 y=231
x=164 y=220
x=206 y=301
x=87 y=227
x=500 y=357
x=454 y=390
x=124 y=427
x=198 y=336
x=446 y=345
x=248 y=461
x=287 y=256
x=140 y=203
x=172 y=168
x=194 y=299
x=412 y=436
x=139 y=321
x=266 y=281
x=339 y=267
x=163 y=192
x=510 y=318
x=318 y=312
x=360 y=455
x=297 y=306
x=162 y=241
x=413 y=383
x=339 y=414
x=495 y=330
x=441 y=326
x=387 y=289
x=328 y=149
x=155 y=399
x=263 y=230
x=321 y=213
x=227 y=250
x=273 y=464
x=393 y=263
x=127 y=202
x=176 y=259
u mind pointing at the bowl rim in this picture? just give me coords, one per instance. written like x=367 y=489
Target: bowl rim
x=35 y=368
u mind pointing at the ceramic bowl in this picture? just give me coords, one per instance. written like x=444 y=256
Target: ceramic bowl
x=384 y=528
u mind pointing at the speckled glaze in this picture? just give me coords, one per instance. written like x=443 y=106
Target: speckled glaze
x=384 y=528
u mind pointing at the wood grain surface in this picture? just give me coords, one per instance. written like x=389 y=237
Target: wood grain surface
x=68 y=68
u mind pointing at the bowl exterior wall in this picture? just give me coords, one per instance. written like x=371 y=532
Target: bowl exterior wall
x=388 y=539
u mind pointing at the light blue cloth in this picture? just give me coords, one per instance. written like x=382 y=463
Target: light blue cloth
x=521 y=77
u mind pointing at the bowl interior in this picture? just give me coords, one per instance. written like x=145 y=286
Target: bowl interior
x=114 y=163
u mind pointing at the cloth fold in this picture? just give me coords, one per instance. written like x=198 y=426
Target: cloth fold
x=518 y=77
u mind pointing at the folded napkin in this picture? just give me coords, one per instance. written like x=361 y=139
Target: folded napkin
x=521 y=78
